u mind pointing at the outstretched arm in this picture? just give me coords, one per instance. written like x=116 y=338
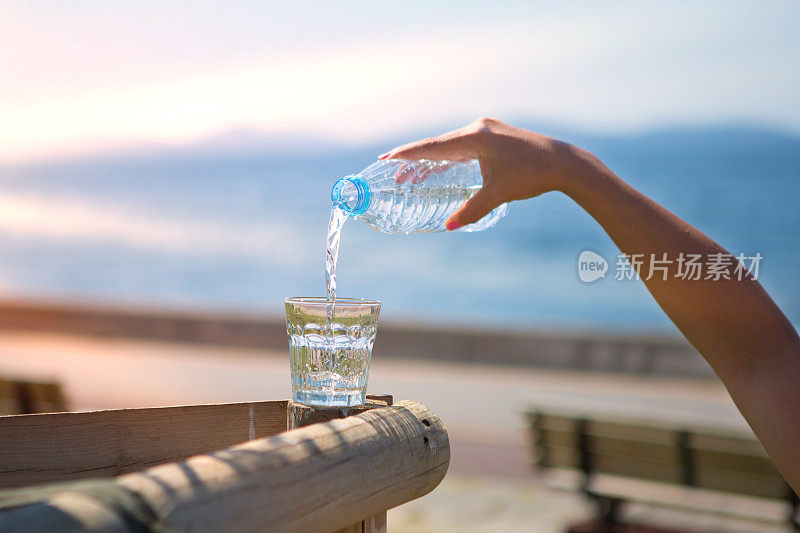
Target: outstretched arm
x=733 y=322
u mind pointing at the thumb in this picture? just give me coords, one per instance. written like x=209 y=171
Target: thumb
x=475 y=209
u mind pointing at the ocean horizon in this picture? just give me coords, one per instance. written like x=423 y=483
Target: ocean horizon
x=239 y=223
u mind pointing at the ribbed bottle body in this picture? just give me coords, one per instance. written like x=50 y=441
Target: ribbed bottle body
x=400 y=196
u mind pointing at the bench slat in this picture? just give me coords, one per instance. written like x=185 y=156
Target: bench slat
x=731 y=481
x=612 y=445
x=747 y=464
x=643 y=434
x=732 y=444
x=613 y=464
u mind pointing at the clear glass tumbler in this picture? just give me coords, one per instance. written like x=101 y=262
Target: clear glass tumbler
x=330 y=364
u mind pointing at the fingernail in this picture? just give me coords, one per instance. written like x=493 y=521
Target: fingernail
x=384 y=155
x=452 y=225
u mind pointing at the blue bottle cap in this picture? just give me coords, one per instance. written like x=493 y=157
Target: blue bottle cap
x=351 y=194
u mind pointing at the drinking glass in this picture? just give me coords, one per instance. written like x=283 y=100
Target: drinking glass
x=329 y=360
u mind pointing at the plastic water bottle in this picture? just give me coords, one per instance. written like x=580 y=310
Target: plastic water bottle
x=402 y=196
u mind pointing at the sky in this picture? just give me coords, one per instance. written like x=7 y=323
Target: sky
x=98 y=75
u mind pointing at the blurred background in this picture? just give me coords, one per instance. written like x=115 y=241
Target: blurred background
x=177 y=157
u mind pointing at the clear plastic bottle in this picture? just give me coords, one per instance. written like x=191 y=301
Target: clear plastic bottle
x=401 y=196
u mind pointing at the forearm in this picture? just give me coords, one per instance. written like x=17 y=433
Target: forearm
x=732 y=322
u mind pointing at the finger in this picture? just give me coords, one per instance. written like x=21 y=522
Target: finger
x=419 y=173
x=454 y=146
x=422 y=174
x=475 y=209
x=403 y=174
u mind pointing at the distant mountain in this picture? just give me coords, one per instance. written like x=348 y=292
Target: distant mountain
x=242 y=142
x=723 y=138
x=734 y=137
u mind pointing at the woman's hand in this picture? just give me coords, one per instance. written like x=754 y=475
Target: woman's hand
x=516 y=164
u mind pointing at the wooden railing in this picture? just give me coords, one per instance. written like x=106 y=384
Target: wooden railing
x=344 y=473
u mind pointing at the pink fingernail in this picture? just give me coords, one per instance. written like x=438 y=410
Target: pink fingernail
x=452 y=225
x=383 y=156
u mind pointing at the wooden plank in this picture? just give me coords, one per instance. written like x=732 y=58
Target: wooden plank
x=620 y=447
x=747 y=464
x=648 y=434
x=637 y=467
x=733 y=506
x=737 y=482
x=54 y=447
x=645 y=434
x=565 y=419
x=733 y=443
x=556 y=422
x=613 y=446
x=317 y=478
x=561 y=457
x=553 y=437
x=620 y=465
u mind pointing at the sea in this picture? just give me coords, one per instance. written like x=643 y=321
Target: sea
x=227 y=228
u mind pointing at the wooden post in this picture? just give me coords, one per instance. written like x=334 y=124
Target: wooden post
x=300 y=415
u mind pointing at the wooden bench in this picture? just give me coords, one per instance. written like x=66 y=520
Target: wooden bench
x=258 y=466
x=614 y=461
x=18 y=397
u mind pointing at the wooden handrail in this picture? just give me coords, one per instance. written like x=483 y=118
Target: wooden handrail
x=317 y=478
